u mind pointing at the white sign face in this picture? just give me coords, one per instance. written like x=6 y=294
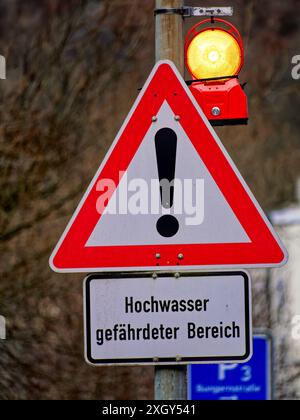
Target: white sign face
x=196 y=318
x=197 y=224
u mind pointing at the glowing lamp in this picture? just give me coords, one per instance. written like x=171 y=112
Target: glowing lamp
x=214 y=56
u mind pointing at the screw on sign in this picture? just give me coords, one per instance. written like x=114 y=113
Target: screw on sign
x=2 y=328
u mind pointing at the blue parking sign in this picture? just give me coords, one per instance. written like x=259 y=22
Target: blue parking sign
x=251 y=381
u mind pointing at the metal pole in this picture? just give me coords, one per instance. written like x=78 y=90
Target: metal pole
x=170 y=381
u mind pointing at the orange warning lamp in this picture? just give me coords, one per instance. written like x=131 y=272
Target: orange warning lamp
x=214 y=56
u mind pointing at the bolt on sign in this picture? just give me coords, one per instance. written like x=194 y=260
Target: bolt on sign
x=136 y=319
x=167 y=195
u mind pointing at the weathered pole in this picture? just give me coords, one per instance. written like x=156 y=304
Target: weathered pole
x=170 y=381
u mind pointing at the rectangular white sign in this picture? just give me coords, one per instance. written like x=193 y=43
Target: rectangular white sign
x=196 y=318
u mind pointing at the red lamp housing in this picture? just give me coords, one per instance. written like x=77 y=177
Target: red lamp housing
x=214 y=56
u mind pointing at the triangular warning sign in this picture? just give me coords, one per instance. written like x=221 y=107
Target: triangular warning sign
x=167 y=195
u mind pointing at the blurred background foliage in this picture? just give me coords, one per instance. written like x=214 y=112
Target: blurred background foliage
x=74 y=68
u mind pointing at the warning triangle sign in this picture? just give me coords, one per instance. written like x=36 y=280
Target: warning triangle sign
x=167 y=196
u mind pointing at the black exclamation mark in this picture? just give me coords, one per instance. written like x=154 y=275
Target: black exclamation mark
x=166 y=149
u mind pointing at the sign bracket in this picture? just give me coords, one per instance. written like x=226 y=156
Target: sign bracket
x=187 y=12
